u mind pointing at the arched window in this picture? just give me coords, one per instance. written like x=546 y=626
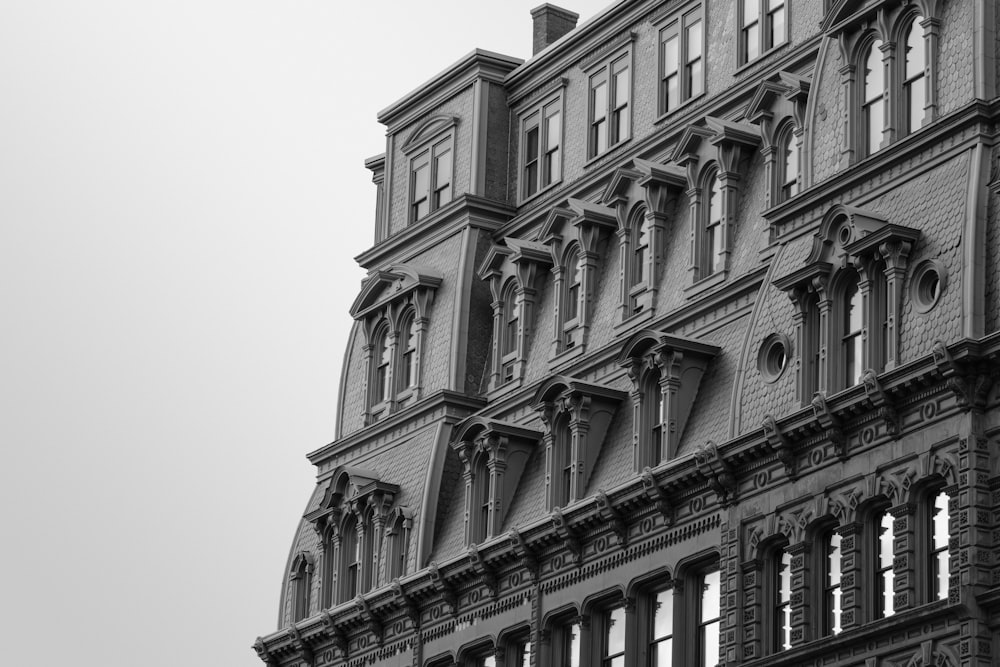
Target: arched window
x=653 y=417
x=884 y=537
x=408 y=367
x=938 y=545
x=481 y=500
x=573 y=292
x=781 y=598
x=329 y=567
x=709 y=616
x=873 y=102
x=711 y=246
x=564 y=462
x=914 y=83
x=851 y=340
x=831 y=583
x=509 y=332
x=396 y=548
x=640 y=252
x=301 y=585
x=382 y=360
x=789 y=164
x=350 y=552
x=810 y=348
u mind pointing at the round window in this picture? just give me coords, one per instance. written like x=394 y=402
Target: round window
x=773 y=356
x=926 y=285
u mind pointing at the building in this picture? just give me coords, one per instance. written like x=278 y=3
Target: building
x=677 y=346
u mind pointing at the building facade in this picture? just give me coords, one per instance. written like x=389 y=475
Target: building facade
x=677 y=347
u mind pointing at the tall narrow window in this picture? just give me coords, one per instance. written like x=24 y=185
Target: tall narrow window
x=914 y=83
x=350 y=549
x=832 y=608
x=481 y=485
x=782 y=600
x=789 y=164
x=810 y=353
x=939 y=546
x=609 y=106
x=681 y=55
x=396 y=551
x=884 y=556
x=430 y=179
x=751 y=30
x=508 y=350
x=541 y=139
x=852 y=342
x=712 y=237
x=567 y=645
x=564 y=443
x=382 y=359
x=420 y=186
x=709 y=616
x=638 y=267
x=762 y=27
x=519 y=651
x=653 y=396
x=661 y=633
x=442 y=174
x=301 y=585
x=574 y=286
x=613 y=638
x=409 y=361
x=873 y=105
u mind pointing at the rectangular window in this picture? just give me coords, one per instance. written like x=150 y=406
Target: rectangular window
x=566 y=646
x=762 y=27
x=541 y=141
x=661 y=632
x=709 y=617
x=682 y=50
x=610 y=92
x=430 y=179
x=883 y=564
x=831 y=585
x=613 y=638
x=782 y=583
x=939 y=546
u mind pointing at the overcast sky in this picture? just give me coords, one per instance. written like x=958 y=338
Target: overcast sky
x=182 y=192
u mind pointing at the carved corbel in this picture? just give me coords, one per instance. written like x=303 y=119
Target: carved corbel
x=372 y=622
x=483 y=570
x=881 y=401
x=301 y=648
x=338 y=636
x=610 y=515
x=718 y=471
x=410 y=607
x=525 y=553
x=567 y=535
x=829 y=424
x=657 y=496
x=781 y=446
x=949 y=371
x=443 y=588
x=264 y=655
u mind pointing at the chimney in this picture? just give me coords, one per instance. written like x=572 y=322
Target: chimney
x=549 y=23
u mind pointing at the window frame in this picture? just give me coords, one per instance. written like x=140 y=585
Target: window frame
x=428 y=156
x=566 y=644
x=639 y=277
x=650 y=639
x=615 y=114
x=380 y=390
x=872 y=47
x=934 y=591
x=409 y=355
x=831 y=607
x=881 y=524
x=301 y=580
x=787 y=144
x=910 y=22
x=677 y=26
x=766 y=38
x=349 y=583
x=779 y=597
x=535 y=117
x=510 y=343
x=572 y=293
x=608 y=655
x=711 y=246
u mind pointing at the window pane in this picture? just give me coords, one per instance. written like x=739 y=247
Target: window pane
x=615 y=632
x=874 y=83
x=751 y=11
x=695 y=83
x=552 y=131
x=421 y=181
x=671 y=93
x=600 y=100
x=777 y=35
x=670 y=55
x=915 y=56
x=916 y=94
x=531 y=144
x=751 y=38
x=621 y=87
x=571 y=646
x=939 y=544
x=885 y=554
x=833 y=605
x=694 y=41
x=663 y=614
x=710 y=590
x=442 y=170
x=710 y=645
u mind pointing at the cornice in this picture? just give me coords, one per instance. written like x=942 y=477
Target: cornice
x=655 y=488
x=467 y=210
x=478 y=63
x=445 y=398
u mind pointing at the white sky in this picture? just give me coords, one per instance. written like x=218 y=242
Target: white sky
x=182 y=192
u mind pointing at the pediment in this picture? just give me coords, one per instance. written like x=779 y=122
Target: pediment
x=644 y=173
x=690 y=143
x=841 y=226
x=621 y=182
x=385 y=286
x=563 y=387
x=429 y=129
x=493 y=262
x=554 y=222
x=731 y=132
x=763 y=100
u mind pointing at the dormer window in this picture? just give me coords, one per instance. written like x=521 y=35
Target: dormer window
x=393 y=308
x=711 y=226
x=788 y=148
x=571 y=299
x=430 y=150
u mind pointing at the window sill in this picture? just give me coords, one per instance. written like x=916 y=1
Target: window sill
x=705 y=284
x=633 y=321
x=502 y=389
x=763 y=56
x=667 y=114
x=607 y=151
x=535 y=195
x=566 y=355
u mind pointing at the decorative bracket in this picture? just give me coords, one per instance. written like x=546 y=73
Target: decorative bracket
x=304 y=651
x=372 y=621
x=781 y=446
x=483 y=570
x=881 y=401
x=720 y=474
x=338 y=635
x=829 y=424
x=610 y=515
x=949 y=371
x=443 y=588
x=657 y=496
x=264 y=655
x=567 y=535
x=409 y=606
x=525 y=553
